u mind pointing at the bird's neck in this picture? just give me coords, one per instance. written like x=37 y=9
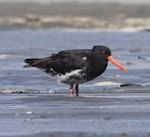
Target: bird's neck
x=96 y=67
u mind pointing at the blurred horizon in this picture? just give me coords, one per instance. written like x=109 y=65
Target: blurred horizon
x=91 y=14
x=118 y=1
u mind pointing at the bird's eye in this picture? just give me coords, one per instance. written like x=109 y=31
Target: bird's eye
x=103 y=51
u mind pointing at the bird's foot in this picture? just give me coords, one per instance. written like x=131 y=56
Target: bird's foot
x=71 y=92
x=77 y=90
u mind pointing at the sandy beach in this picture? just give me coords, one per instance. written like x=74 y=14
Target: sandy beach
x=116 y=104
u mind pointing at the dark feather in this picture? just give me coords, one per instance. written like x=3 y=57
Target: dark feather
x=64 y=61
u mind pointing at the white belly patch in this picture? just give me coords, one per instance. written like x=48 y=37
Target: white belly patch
x=75 y=76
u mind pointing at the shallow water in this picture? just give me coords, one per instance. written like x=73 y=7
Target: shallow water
x=130 y=49
x=39 y=105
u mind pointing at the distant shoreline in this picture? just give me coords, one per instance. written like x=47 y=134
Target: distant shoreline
x=93 y=9
x=94 y=15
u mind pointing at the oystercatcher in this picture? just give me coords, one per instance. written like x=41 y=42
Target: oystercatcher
x=75 y=66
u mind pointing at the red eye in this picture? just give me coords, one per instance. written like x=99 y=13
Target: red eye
x=103 y=51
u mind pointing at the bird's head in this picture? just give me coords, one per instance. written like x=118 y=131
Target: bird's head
x=106 y=52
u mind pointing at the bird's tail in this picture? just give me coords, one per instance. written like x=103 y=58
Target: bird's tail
x=31 y=62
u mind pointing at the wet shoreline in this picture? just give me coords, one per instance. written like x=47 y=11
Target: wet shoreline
x=74 y=15
x=67 y=23
x=34 y=105
x=111 y=113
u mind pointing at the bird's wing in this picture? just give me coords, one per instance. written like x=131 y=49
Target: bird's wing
x=64 y=61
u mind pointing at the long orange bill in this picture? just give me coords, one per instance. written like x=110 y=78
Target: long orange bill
x=110 y=58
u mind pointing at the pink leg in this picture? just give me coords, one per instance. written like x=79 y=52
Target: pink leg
x=71 y=90
x=77 y=90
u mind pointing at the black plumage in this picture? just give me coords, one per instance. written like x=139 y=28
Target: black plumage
x=74 y=66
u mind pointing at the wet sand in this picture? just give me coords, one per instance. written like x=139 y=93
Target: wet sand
x=118 y=112
x=115 y=104
x=33 y=105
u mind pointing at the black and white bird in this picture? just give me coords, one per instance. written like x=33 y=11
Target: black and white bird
x=76 y=66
